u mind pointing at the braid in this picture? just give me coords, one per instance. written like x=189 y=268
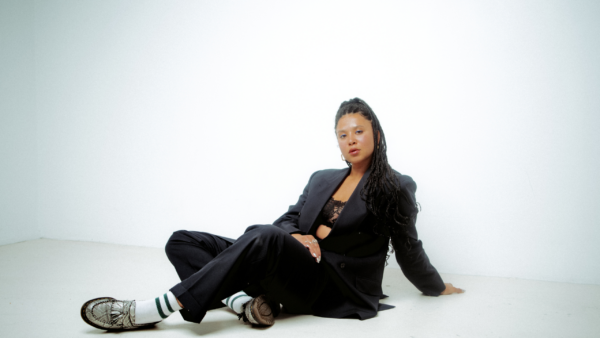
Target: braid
x=382 y=192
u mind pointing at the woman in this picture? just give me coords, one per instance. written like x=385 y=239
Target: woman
x=314 y=259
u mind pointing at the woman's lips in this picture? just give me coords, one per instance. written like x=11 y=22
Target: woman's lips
x=354 y=152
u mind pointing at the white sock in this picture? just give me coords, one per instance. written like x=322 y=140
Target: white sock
x=236 y=301
x=156 y=309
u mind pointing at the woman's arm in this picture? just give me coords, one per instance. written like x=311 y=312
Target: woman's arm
x=416 y=267
x=413 y=260
x=289 y=223
x=289 y=220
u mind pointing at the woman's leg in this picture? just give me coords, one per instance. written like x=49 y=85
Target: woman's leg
x=190 y=251
x=265 y=259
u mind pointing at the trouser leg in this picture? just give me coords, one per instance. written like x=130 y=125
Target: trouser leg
x=265 y=258
x=190 y=251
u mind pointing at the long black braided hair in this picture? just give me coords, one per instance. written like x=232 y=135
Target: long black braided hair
x=382 y=192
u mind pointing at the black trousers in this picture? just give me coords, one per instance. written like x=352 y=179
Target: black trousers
x=264 y=260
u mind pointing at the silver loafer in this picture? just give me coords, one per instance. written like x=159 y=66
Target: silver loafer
x=107 y=313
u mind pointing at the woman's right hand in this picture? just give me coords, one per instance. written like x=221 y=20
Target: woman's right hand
x=311 y=244
x=450 y=289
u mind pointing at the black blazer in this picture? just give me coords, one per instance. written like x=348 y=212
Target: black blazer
x=353 y=254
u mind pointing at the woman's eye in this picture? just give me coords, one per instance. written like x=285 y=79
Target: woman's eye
x=359 y=131
x=342 y=136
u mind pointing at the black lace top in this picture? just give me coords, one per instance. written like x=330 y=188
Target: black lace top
x=331 y=211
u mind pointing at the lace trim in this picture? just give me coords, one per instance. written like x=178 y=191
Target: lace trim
x=331 y=211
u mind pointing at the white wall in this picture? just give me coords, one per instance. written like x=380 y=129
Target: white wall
x=159 y=116
x=17 y=124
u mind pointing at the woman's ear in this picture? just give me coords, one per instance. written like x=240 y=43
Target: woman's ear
x=378 y=137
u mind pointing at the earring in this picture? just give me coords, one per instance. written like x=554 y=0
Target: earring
x=342 y=155
x=378 y=146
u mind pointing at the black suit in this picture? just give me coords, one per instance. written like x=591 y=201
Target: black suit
x=265 y=259
x=351 y=250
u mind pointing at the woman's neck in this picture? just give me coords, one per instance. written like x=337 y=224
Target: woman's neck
x=358 y=170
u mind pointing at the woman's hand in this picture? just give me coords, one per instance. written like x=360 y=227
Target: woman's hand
x=450 y=289
x=311 y=244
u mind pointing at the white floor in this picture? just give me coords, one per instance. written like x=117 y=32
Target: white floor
x=43 y=284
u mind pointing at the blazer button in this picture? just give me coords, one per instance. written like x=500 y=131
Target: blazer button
x=343 y=265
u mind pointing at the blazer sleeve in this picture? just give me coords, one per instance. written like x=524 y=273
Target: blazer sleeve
x=289 y=221
x=414 y=262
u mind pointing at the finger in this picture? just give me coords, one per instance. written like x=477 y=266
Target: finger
x=318 y=252
x=311 y=244
x=455 y=290
x=316 y=255
x=306 y=242
x=315 y=251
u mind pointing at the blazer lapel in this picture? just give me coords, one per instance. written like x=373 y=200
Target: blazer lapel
x=318 y=197
x=354 y=211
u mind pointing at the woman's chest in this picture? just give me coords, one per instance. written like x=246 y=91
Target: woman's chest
x=345 y=190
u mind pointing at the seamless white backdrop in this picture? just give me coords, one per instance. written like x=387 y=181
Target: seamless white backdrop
x=158 y=116
x=18 y=145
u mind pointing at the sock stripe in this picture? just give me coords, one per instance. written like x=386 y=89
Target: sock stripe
x=160 y=311
x=168 y=304
x=233 y=301
x=227 y=301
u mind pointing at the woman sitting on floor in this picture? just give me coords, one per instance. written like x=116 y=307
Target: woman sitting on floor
x=325 y=256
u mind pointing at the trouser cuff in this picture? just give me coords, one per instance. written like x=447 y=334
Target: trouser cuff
x=191 y=311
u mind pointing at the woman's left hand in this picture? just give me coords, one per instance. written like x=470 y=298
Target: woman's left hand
x=450 y=289
x=311 y=244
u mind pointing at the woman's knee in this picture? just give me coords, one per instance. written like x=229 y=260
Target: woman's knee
x=184 y=242
x=174 y=241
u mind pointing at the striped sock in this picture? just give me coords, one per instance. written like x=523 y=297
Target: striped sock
x=236 y=301
x=155 y=310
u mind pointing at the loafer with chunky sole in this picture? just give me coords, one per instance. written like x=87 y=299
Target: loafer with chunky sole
x=260 y=311
x=107 y=313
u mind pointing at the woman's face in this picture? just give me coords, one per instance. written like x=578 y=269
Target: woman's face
x=355 y=138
